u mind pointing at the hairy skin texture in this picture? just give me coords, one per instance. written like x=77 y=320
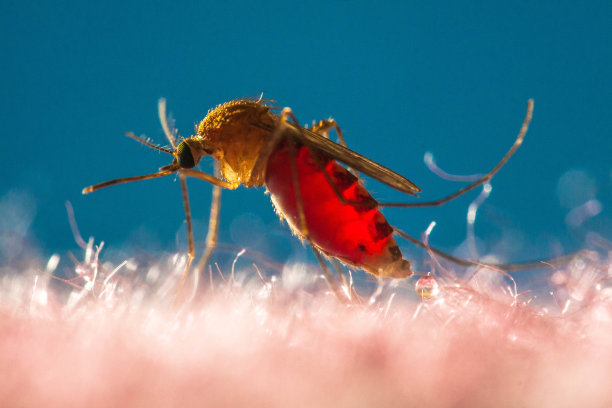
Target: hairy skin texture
x=288 y=342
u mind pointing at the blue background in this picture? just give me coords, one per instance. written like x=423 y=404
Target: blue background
x=400 y=79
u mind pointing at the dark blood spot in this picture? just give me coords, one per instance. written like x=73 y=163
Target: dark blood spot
x=395 y=252
x=342 y=178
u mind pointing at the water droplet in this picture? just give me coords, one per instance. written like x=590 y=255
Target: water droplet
x=427 y=287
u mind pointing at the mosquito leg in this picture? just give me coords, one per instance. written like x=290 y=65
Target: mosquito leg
x=185 y=194
x=302 y=221
x=297 y=189
x=277 y=135
x=215 y=181
x=163 y=119
x=191 y=249
x=504 y=267
x=267 y=150
x=211 y=238
x=340 y=294
x=346 y=282
x=482 y=180
x=213 y=224
x=342 y=200
x=323 y=127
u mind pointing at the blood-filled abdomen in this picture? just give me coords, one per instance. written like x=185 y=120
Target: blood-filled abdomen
x=355 y=231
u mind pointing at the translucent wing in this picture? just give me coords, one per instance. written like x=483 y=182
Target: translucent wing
x=354 y=160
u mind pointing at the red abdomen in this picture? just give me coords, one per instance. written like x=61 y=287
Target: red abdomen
x=354 y=232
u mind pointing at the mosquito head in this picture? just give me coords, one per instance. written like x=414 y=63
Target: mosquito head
x=184 y=157
x=190 y=151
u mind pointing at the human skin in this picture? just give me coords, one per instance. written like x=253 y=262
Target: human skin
x=250 y=340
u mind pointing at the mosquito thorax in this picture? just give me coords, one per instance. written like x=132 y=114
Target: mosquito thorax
x=235 y=133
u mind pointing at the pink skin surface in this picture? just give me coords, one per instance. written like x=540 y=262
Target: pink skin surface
x=258 y=341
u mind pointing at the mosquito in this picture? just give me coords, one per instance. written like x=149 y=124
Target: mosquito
x=324 y=203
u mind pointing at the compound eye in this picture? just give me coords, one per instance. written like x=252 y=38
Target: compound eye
x=185 y=158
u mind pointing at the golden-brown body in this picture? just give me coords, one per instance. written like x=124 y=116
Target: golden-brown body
x=235 y=133
x=246 y=138
x=239 y=133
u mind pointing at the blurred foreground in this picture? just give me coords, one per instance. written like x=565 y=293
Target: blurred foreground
x=109 y=335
